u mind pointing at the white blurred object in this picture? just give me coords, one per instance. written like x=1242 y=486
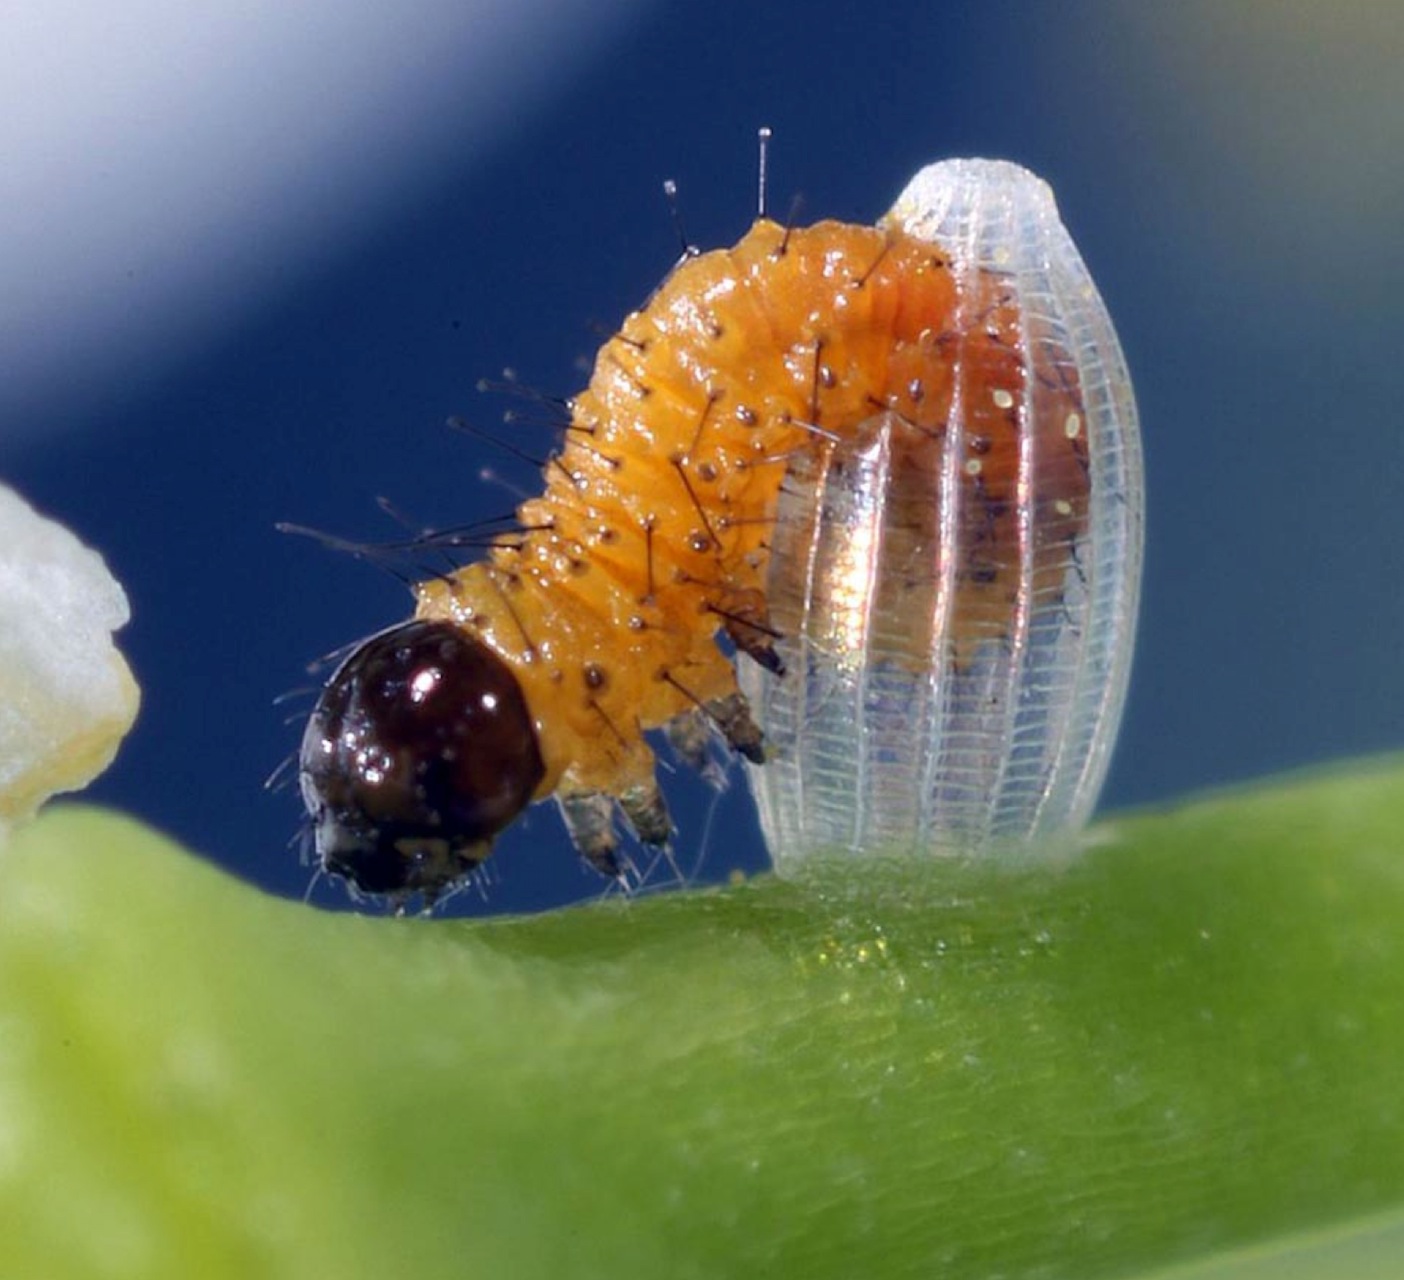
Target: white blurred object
x=166 y=164
x=67 y=697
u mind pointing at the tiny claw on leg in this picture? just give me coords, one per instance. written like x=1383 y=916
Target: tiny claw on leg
x=733 y=717
x=647 y=813
x=747 y=625
x=589 y=818
x=644 y=807
x=692 y=734
x=688 y=734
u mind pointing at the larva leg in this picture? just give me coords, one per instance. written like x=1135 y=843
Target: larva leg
x=589 y=819
x=746 y=621
x=727 y=719
x=696 y=739
x=710 y=685
x=644 y=807
x=588 y=808
x=733 y=717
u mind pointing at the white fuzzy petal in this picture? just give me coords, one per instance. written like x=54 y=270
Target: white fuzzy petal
x=67 y=696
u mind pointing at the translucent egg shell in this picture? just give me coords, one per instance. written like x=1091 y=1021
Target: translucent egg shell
x=957 y=607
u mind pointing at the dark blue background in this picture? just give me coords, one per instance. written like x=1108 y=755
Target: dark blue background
x=1245 y=239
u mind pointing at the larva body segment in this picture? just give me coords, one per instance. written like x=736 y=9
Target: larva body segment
x=899 y=461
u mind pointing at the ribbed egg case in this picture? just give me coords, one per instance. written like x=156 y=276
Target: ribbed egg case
x=957 y=657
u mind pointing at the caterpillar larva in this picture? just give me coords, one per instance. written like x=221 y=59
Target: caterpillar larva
x=897 y=466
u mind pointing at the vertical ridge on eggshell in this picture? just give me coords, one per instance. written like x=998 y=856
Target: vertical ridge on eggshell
x=924 y=742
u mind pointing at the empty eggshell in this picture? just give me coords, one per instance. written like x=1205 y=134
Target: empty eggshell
x=956 y=604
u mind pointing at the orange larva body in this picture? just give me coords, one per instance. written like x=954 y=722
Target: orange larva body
x=900 y=461
x=656 y=519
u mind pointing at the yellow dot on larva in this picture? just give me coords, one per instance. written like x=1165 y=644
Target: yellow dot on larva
x=973 y=466
x=1002 y=398
x=1072 y=426
x=1063 y=507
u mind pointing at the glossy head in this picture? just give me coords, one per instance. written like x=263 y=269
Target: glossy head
x=420 y=750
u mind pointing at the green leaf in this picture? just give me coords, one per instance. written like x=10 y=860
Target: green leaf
x=1188 y=1042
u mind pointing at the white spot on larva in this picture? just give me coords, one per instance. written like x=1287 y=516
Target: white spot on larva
x=1072 y=426
x=1002 y=398
x=1063 y=507
x=973 y=466
x=423 y=683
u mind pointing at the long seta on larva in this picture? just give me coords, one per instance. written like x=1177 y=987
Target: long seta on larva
x=897 y=466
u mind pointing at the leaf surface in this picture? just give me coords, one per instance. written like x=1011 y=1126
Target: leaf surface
x=1183 y=1050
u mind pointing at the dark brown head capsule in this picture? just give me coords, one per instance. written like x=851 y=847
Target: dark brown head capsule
x=420 y=750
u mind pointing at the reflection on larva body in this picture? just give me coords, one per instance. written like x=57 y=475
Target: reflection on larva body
x=896 y=465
